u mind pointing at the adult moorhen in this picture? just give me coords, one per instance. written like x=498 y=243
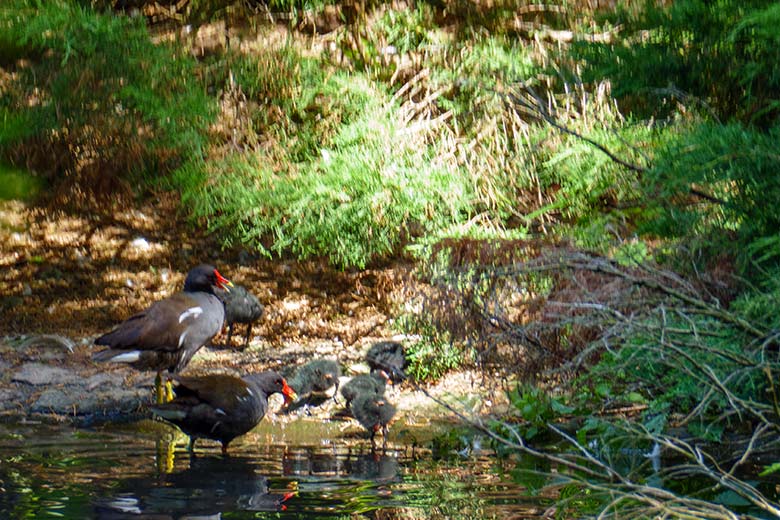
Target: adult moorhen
x=241 y=306
x=171 y=331
x=221 y=407
x=388 y=357
x=364 y=384
x=374 y=413
x=315 y=382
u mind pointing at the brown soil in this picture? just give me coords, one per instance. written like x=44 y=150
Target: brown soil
x=78 y=275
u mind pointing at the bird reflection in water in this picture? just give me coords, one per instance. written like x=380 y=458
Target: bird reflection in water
x=209 y=487
x=374 y=466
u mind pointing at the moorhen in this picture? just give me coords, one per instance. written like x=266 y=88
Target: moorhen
x=221 y=407
x=314 y=382
x=374 y=413
x=326 y=373
x=364 y=384
x=172 y=330
x=388 y=357
x=241 y=306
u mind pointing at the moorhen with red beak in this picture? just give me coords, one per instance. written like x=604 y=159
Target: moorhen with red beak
x=166 y=335
x=374 y=413
x=221 y=407
x=241 y=306
x=388 y=357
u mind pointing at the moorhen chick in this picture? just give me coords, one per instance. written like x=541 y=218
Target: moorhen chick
x=221 y=407
x=314 y=382
x=166 y=335
x=388 y=357
x=374 y=413
x=364 y=384
x=325 y=376
x=241 y=306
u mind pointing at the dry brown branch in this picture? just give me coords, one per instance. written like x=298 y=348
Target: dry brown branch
x=588 y=470
x=544 y=32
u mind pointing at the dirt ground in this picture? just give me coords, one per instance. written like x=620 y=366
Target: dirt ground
x=66 y=278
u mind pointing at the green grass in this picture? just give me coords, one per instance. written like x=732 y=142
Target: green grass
x=354 y=195
x=17 y=184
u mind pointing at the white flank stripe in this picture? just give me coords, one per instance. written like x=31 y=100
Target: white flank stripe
x=127 y=357
x=181 y=338
x=220 y=411
x=249 y=391
x=192 y=311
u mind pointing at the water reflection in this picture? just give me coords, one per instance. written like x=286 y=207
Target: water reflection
x=379 y=466
x=209 y=487
x=295 y=470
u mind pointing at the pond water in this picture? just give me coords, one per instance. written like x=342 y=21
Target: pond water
x=302 y=469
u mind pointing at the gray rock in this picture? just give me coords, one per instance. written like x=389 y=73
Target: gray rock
x=54 y=400
x=8 y=399
x=75 y=401
x=98 y=379
x=40 y=374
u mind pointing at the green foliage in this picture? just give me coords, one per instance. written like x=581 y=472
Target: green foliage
x=95 y=86
x=434 y=354
x=340 y=177
x=17 y=184
x=733 y=164
x=772 y=468
x=299 y=5
x=454 y=443
x=537 y=408
x=761 y=306
x=407 y=30
x=593 y=192
x=578 y=501
x=671 y=374
x=695 y=48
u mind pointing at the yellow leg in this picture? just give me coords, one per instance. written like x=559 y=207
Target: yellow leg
x=168 y=391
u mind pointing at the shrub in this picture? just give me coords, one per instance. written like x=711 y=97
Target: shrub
x=359 y=196
x=711 y=182
x=693 y=48
x=92 y=96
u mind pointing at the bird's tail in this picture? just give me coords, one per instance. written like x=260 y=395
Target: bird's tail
x=117 y=356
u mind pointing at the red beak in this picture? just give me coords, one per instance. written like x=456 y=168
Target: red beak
x=289 y=393
x=222 y=282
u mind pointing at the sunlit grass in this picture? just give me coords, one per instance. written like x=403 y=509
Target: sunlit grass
x=18 y=184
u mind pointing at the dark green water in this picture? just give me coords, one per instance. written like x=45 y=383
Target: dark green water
x=304 y=469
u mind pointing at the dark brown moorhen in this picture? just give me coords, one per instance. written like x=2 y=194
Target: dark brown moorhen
x=374 y=413
x=166 y=335
x=241 y=306
x=221 y=407
x=388 y=357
